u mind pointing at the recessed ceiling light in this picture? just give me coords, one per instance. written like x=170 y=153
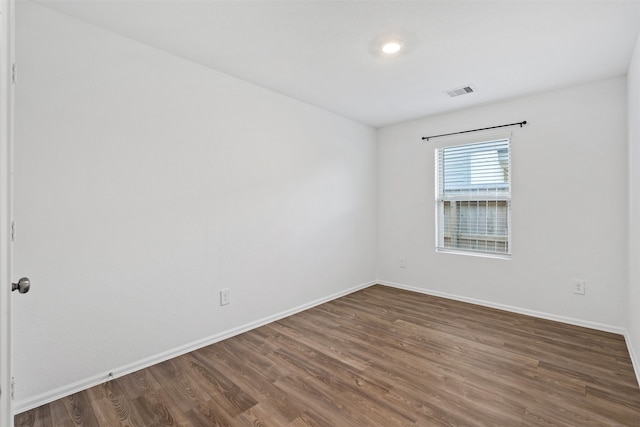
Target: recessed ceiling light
x=392 y=47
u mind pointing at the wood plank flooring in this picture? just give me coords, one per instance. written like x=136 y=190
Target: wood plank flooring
x=378 y=357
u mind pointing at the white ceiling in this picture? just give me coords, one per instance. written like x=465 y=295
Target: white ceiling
x=326 y=52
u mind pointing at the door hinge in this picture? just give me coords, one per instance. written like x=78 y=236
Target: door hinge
x=13 y=231
x=13 y=388
x=14 y=73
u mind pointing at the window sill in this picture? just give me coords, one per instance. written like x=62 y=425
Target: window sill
x=474 y=254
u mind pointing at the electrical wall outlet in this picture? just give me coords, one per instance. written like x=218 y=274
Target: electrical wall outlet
x=579 y=287
x=403 y=262
x=225 y=296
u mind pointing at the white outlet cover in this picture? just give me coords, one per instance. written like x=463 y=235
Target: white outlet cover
x=579 y=287
x=224 y=296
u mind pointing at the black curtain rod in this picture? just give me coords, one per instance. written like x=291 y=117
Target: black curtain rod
x=474 y=130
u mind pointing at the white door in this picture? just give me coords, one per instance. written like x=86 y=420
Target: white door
x=6 y=139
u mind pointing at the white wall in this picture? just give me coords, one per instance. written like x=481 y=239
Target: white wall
x=633 y=322
x=569 y=207
x=145 y=184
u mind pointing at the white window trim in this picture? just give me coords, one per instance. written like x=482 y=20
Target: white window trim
x=474 y=253
x=473 y=139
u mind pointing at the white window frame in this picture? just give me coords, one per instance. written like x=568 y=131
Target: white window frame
x=441 y=198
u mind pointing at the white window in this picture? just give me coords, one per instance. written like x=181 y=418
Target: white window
x=473 y=198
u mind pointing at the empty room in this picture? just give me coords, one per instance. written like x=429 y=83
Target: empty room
x=320 y=213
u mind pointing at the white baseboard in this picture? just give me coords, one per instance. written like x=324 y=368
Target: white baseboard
x=47 y=397
x=534 y=313
x=633 y=355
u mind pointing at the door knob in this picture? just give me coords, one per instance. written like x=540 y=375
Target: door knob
x=22 y=286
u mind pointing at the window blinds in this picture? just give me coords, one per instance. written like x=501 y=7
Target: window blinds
x=473 y=197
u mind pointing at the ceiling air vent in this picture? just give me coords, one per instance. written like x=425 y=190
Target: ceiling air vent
x=460 y=91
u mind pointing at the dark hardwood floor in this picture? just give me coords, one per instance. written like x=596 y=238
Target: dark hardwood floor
x=378 y=357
